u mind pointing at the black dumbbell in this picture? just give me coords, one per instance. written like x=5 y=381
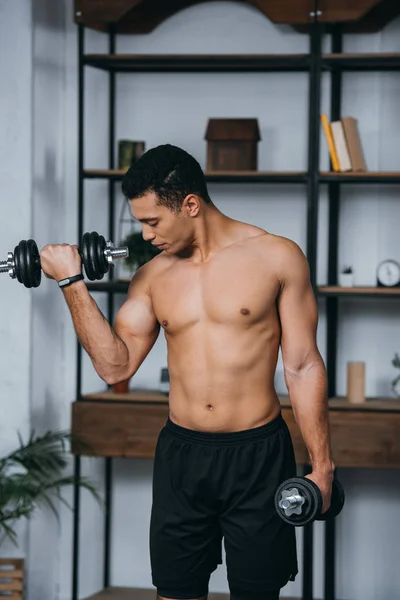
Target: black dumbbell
x=97 y=256
x=298 y=501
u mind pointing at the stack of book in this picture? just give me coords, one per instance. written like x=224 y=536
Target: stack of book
x=344 y=144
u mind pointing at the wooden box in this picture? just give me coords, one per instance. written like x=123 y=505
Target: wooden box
x=11 y=577
x=232 y=144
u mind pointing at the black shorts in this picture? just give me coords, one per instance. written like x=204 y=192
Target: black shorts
x=208 y=486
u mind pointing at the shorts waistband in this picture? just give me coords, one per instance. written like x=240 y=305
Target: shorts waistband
x=221 y=438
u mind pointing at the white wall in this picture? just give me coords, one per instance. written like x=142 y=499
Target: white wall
x=49 y=211
x=175 y=108
x=15 y=224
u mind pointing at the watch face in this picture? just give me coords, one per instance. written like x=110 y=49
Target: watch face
x=389 y=273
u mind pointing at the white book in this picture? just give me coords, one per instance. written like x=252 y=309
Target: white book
x=341 y=146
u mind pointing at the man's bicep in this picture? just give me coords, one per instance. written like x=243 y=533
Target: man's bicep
x=297 y=312
x=136 y=323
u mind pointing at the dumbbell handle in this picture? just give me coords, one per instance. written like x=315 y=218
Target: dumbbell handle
x=111 y=252
x=291 y=501
x=7 y=266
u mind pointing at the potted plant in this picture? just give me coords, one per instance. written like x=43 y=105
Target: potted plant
x=30 y=476
x=346 y=277
x=140 y=250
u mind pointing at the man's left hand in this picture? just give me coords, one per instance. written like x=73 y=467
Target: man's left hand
x=323 y=479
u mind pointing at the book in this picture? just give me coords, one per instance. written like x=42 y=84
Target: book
x=331 y=144
x=353 y=141
x=341 y=146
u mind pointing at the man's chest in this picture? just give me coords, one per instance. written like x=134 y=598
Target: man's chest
x=236 y=293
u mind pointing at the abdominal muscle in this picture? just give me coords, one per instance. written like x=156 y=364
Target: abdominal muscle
x=222 y=379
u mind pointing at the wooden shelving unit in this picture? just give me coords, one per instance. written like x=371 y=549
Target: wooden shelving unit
x=151 y=405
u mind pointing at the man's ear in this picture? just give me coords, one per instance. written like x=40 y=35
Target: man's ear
x=191 y=205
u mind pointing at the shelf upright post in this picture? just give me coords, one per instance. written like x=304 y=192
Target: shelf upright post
x=110 y=299
x=313 y=145
x=332 y=302
x=333 y=227
x=312 y=233
x=308 y=553
x=77 y=458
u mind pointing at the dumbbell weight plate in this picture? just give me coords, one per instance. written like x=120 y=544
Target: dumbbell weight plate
x=88 y=254
x=92 y=251
x=337 y=502
x=27 y=263
x=311 y=507
x=101 y=257
x=36 y=267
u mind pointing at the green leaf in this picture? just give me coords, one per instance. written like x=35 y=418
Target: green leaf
x=140 y=250
x=31 y=475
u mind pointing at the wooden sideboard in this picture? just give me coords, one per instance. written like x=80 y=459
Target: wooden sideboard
x=128 y=425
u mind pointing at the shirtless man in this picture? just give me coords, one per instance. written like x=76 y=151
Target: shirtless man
x=227 y=294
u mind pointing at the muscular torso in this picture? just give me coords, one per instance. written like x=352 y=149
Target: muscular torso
x=222 y=329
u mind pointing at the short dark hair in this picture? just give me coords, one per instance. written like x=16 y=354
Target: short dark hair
x=168 y=171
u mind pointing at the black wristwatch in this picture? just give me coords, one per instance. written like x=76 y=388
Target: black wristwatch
x=68 y=280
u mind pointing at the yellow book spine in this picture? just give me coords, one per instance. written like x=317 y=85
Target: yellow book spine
x=331 y=144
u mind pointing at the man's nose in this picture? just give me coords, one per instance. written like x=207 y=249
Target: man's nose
x=148 y=235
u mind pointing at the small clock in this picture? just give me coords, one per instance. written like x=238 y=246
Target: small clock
x=388 y=273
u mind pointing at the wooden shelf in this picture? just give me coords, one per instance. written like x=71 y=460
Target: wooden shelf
x=245 y=63
x=138 y=396
x=217 y=176
x=119 y=287
x=370 y=405
x=362 y=62
x=135 y=395
x=363 y=435
x=143 y=16
x=146 y=396
x=200 y=63
x=381 y=177
x=367 y=177
x=371 y=292
x=256 y=177
x=119 y=593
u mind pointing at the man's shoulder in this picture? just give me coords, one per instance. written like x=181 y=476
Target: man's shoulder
x=156 y=265
x=280 y=246
x=145 y=275
x=284 y=257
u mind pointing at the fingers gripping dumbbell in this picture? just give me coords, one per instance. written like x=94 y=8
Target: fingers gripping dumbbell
x=298 y=501
x=97 y=256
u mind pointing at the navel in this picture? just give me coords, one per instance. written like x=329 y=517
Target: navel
x=244 y=311
x=209 y=407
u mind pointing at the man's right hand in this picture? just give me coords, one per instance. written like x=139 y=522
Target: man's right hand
x=59 y=261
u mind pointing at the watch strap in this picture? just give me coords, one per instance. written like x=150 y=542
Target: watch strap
x=68 y=280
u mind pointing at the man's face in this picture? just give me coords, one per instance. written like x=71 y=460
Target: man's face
x=161 y=226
